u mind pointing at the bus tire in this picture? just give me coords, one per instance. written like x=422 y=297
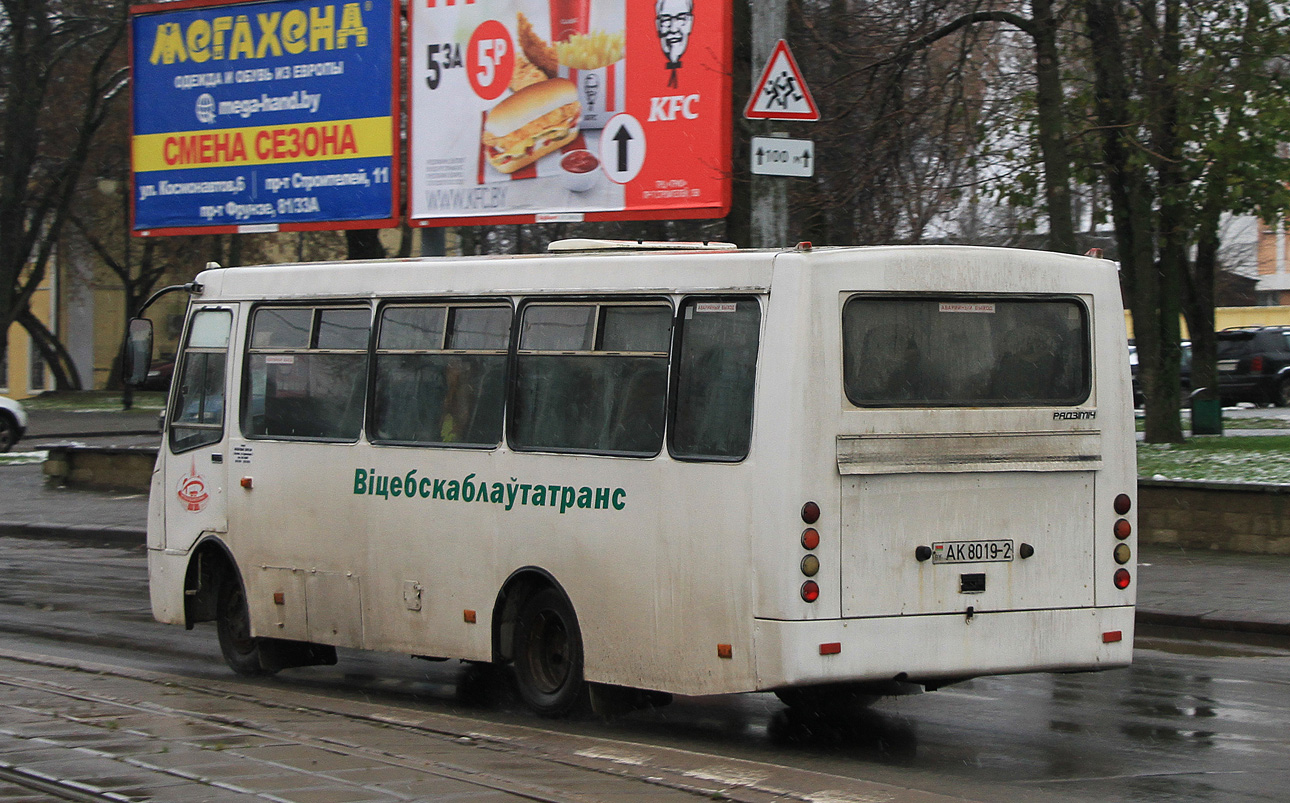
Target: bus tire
x=830 y=700
x=548 y=656
x=233 y=623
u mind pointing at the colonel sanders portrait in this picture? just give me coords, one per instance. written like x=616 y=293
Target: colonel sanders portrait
x=675 y=21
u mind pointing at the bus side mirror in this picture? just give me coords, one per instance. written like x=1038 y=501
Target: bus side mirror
x=138 y=352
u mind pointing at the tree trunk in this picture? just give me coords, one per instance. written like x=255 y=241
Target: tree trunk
x=1051 y=125
x=51 y=351
x=1131 y=209
x=1171 y=194
x=363 y=244
x=739 y=218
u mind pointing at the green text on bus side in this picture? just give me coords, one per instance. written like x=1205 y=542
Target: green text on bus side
x=369 y=483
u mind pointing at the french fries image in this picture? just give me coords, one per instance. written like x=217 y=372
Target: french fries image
x=591 y=51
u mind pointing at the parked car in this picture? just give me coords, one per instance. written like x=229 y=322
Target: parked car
x=1184 y=372
x=1254 y=365
x=13 y=423
x=159 y=376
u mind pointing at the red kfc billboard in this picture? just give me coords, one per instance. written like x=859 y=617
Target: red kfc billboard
x=568 y=110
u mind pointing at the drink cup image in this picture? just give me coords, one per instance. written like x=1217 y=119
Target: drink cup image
x=569 y=17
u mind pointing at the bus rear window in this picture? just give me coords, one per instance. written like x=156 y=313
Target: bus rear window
x=939 y=352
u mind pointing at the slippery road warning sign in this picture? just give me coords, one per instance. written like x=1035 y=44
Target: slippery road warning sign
x=781 y=93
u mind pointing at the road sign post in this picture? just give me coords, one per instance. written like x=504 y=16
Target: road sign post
x=779 y=93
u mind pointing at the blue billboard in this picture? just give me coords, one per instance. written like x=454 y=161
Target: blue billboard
x=263 y=116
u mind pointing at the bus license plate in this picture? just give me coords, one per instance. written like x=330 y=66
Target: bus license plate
x=971 y=551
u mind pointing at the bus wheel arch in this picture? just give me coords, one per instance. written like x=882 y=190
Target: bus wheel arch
x=209 y=568
x=535 y=629
x=214 y=591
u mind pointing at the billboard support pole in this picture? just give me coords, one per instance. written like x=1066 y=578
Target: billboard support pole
x=769 y=193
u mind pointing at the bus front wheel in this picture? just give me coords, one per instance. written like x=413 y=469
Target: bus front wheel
x=233 y=622
x=548 y=656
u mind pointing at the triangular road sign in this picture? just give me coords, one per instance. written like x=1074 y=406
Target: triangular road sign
x=781 y=93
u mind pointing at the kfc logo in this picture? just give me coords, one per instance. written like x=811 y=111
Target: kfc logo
x=674 y=20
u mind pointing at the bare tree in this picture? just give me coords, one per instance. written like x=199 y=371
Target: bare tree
x=61 y=69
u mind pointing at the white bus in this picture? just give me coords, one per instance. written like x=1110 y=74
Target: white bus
x=688 y=470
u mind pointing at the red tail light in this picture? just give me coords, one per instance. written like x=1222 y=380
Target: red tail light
x=1256 y=364
x=811 y=590
x=1122 y=578
x=810 y=512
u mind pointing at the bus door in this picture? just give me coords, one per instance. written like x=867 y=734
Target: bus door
x=196 y=473
x=973 y=488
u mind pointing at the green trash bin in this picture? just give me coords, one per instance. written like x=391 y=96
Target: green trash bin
x=1206 y=413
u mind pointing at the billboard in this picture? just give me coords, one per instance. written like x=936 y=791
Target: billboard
x=264 y=116
x=568 y=110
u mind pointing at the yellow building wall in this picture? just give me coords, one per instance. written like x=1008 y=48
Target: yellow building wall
x=16 y=383
x=1228 y=317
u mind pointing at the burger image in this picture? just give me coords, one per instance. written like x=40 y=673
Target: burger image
x=535 y=121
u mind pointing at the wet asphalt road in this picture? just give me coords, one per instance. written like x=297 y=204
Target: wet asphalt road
x=1190 y=720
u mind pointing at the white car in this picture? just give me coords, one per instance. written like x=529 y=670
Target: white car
x=13 y=422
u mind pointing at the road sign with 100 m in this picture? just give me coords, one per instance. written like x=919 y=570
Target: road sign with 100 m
x=776 y=156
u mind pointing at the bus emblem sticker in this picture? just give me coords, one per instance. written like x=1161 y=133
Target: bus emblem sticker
x=192 y=489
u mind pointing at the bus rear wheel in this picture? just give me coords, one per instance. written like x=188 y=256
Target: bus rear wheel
x=548 y=656
x=233 y=622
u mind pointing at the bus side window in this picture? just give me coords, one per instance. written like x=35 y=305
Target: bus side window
x=440 y=375
x=306 y=372
x=197 y=419
x=715 y=372
x=592 y=378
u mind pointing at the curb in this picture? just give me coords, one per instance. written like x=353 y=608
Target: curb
x=114 y=433
x=125 y=536
x=1212 y=622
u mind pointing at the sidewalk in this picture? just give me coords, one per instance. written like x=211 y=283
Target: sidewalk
x=1179 y=588
x=68 y=424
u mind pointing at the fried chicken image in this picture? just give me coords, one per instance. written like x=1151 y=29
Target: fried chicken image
x=525 y=73
x=536 y=49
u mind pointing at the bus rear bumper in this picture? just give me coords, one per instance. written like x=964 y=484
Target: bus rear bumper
x=941 y=648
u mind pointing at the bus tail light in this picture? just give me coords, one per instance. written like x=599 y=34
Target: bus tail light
x=1112 y=636
x=1123 y=529
x=810 y=512
x=1122 y=579
x=811 y=590
x=1123 y=504
x=1122 y=554
x=810 y=538
x=810 y=565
